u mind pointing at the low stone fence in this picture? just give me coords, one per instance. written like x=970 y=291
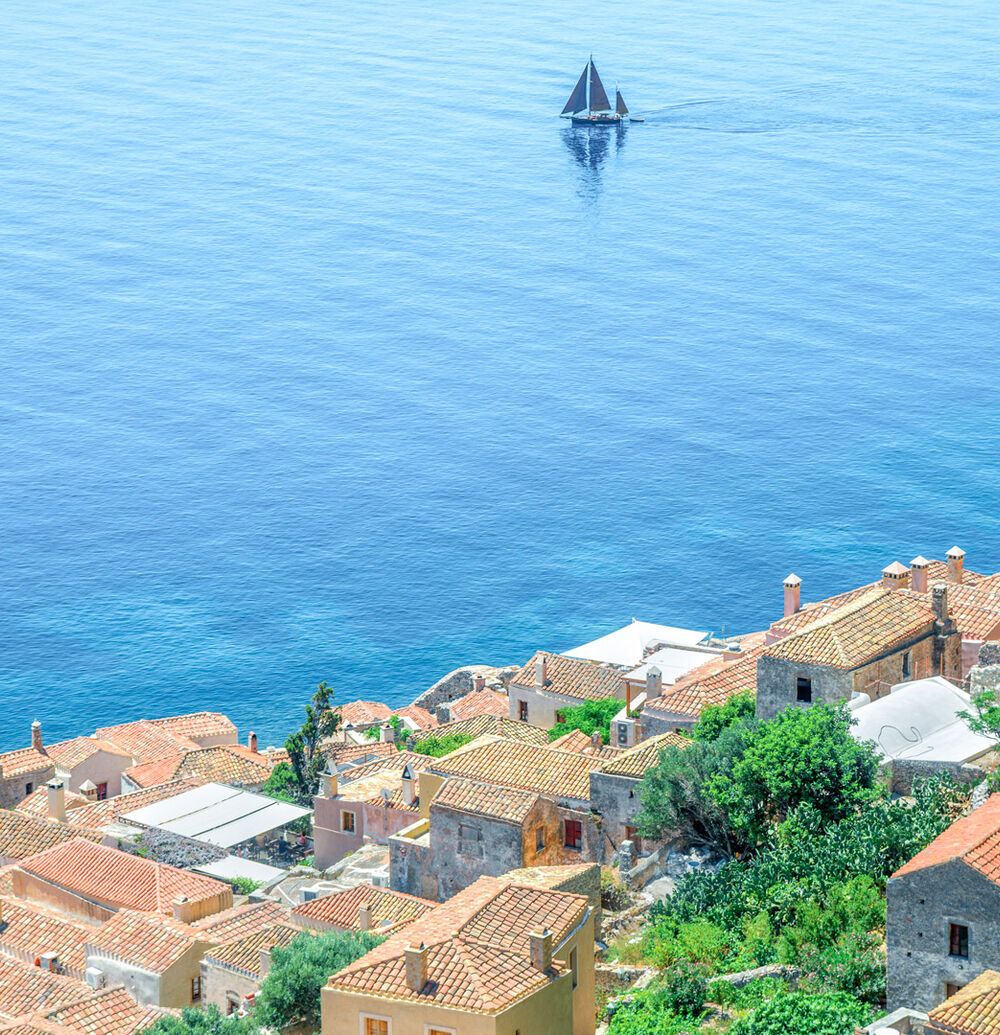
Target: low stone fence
x=904 y=772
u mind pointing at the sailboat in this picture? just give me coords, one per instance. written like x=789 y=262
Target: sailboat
x=588 y=104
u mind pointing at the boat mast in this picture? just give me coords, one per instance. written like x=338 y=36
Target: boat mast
x=590 y=72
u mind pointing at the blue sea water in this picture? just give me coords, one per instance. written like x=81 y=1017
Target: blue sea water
x=328 y=352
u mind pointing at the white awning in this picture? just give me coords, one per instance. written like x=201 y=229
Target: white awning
x=627 y=646
x=232 y=867
x=218 y=815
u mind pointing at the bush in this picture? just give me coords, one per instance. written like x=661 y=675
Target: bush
x=741 y=709
x=798 y=1013
x=684 y=990
x=648 y=1013
x=245 y=885
x=590 y=717
x=437 y=746
x=614 y=895
x=202 y=1022
x=750 y=996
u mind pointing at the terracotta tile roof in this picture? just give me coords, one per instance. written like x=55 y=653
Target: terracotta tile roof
x=477 y=948
x=198 y=725
x=337 y=752
x=22 y=836
x=715 y=682
x=479 y=702
x=485 y=799
x=570 y=677
x=392 y=763
x=240 y=921
x=109 y=1012
x=225 y=763
x=243 y=955
x=25 y=989
x=144 y=741
x=976 y=608
x=868 y=627
x=68 y=754
x=636 y=760
x=491 y=726
x=972 y=1010
x=23 y=762
x=420 y=717
x=392 y=798
x=975 y=839
x=363 y=713
x=389 y=909
x=576 y=741
x=98 y=814
x=507 y=763
x=154 y=943
x=37 y=803
x=28 y=931
x=120 y=880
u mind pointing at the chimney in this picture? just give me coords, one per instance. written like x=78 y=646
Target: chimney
x=89 y=790
x=731 y=651
x=328 y=785
x=793 y=594
x=540 y=943
x=416 y=967
x=654 y=682
x=252 y=742
x=956 y=566
x=541 y=671
x=184 y=911
x=479 y=682
x=364 y=917
x=387 y=734
x=56 y=791
x=409 y=784
x=265 y=962
x=896 y=576
x=36 y=734
x=918 y=574
x=939 y=601
x=596 y=743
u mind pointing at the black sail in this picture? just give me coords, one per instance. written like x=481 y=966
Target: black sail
x=598 y=95
x=578 y=98
x=620 y=107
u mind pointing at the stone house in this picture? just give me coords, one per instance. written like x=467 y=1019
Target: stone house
x=882 y=637
x=483 y=701
x=365 y=803
x=614 y=790
x=24 y=770
x=497 y=959
x=364 y=907
x=233 y=764
x=157 y=959
x=231 y=974
x=973 y=1010
x=549 y=683
x=943 y=912
x=110 y=1012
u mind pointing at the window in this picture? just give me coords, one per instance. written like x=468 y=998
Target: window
x=950 y=990
x=232 y=1003
x=470 y=840
x=374 y=1025
x=195 y=989
x=102 y=792
x=431 y=1029
x=539 y=838
x=906 y=664
x=574 y=969
x=28 y=788
x=803 y=690
x=347 y=822
x=522 y=710
x=573 y=834
x=958 y=941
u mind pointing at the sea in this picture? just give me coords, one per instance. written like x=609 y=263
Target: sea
x=329 y=352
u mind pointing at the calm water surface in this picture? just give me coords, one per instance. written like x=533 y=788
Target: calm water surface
x=329 y=352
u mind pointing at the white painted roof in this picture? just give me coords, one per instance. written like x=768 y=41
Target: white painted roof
x=217 y=814
x=673 y=662
x=921 y=720
x=232 y=866
x=626 y=646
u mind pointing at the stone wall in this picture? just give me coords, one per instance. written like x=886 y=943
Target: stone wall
x=460 y=682
x=904 y=772
x=777 y=678
x=616 y=800
x=466 y=847
x=921 y=906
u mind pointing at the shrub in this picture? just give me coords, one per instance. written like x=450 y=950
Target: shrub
x=590 y=717
x=684 y=990
x=614 y=895
x=245 y=885
x=437 y=746
x=798 y=1013
x=738 y=710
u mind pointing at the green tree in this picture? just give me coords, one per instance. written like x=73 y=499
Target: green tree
x=738 y=710
x=798 y=1013
x=801 y=755
x=304 y=746
x=439 y=745
x=291 y=991
x=590 y=717
x=203 y=1022
x=282 y=783
x=986 y=719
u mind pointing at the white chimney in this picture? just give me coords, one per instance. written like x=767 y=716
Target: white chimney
x=265 y=962
x=956 y=565
x=918 y=574
x=541 y=671
x=387 y=734
x=36 y=736
x=56 y=791
x=896 y=576
x=793 y=594
x=408 y=785
x=416 y=966
x=540 y=948
x=654 y=682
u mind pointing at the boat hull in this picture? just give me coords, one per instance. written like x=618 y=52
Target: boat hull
x=597 y=120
